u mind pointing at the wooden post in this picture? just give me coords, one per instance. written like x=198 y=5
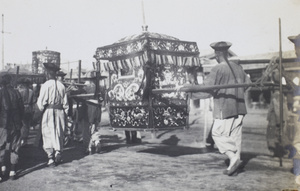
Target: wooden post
x=71 y=75
x=188 y=111
x=280 y=90
x=97 y=89
x=17 y=76
x=79 y=71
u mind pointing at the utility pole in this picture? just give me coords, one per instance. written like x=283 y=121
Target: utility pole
x=2 y=42
x=2 y=31
x=281 y=93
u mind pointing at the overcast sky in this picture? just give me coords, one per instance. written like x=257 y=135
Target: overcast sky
x=75 y=28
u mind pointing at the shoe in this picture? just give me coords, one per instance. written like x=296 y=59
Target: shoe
x=12 y=175
x=51 y=163
x=23 y=143
x=227 y=162
x=3 y=173
x=234 y=167
x=226 y=172
x=209 y=145
x=297 y=179
x=3 y=170
x=57 y=158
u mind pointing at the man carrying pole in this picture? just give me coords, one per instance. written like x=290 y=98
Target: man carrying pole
x=229 y=105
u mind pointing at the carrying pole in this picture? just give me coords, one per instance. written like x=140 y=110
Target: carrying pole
x=202 y=88
x=280 y=90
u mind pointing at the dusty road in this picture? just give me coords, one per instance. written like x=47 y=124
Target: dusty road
x=175 y=160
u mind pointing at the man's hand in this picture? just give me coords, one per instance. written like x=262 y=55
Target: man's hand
x=178 y=88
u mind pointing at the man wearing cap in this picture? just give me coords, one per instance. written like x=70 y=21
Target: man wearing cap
x=53 y=101
x=11 y=113
x=27 y=95
x=60 y=76
x=93 y=110
x=229 y=105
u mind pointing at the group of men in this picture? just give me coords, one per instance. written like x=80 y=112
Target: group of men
x=228 y=112
x=16 y=114
x=54 y=100
x=229 y=109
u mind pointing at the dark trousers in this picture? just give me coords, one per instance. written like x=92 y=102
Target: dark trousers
x=10 y=143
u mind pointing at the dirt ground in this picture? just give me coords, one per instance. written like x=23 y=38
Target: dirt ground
x=172 y=160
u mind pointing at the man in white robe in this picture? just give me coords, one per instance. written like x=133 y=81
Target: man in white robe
x=53 y=102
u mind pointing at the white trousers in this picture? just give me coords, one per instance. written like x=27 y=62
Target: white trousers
x=227 y=134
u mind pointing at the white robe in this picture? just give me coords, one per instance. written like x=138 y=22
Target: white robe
x=53 y=121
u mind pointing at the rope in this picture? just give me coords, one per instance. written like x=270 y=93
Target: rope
x=273 y=65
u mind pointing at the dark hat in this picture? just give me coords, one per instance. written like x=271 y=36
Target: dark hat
x=221 y=46
x=6 y=79
x=295 y=40
x=51 y=66
x=60 y=73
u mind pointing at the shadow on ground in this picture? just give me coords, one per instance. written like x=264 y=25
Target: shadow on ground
x=34 y=158
x=175 y=151
x=31 y=159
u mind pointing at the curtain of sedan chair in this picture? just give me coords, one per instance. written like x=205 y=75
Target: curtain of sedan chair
x=165 y=111
x=127 y=110
x=157 y=53
x=170 y=110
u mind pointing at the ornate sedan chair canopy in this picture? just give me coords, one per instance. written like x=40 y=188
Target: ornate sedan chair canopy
x=136 y=65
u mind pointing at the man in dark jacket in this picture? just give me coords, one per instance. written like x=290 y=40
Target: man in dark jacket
x=27 y=96
x=11 y=113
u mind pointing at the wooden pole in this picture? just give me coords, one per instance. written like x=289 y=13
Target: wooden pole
x=262 y=61
x=202 y=88
x=280 y=90
x=71 y=75
x=17 y=76
x=97 y=89
x=143 y=12
x=79 y=71
x=2 y=42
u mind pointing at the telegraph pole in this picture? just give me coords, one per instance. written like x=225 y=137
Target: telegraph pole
x=281 y=93
x=2 y=31
x=2 y=42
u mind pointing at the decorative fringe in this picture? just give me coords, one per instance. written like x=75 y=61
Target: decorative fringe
x=139 y=61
